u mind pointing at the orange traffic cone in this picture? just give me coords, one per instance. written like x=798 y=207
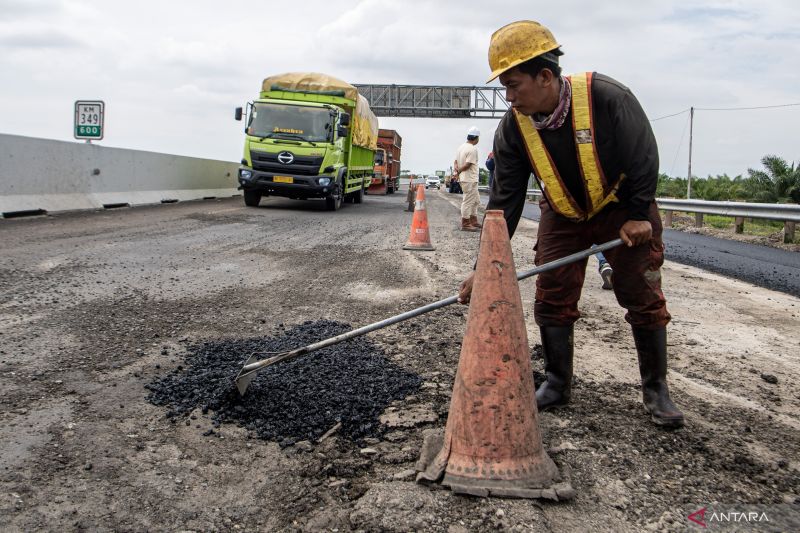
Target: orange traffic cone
x=491 y=444
x=420 y=238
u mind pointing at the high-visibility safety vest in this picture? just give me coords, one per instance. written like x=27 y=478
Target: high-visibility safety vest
x=598 y=193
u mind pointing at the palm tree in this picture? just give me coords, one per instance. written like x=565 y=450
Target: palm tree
x=780 y=181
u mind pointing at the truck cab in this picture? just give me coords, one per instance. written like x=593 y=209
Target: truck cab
x=292 y=149
x=384 y=181
x=387 y=163
x=300 y=143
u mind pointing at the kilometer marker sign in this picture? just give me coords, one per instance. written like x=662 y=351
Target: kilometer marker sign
x=89 y=118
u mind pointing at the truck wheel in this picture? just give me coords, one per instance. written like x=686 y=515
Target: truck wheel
x=334 y=201
x=252 y=198
x=358 y=196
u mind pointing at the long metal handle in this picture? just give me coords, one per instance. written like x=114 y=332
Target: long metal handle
x=422 y=310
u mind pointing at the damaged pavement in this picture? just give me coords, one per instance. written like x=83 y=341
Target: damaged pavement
x=105 y=427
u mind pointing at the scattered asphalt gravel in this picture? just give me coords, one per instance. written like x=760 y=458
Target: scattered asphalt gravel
x=350 y=383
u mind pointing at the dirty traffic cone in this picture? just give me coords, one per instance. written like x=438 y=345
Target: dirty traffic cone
x=420 y=238
x=491 y=444
x=410 y=196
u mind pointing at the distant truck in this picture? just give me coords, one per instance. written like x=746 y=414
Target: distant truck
x=387 y=163
x=308 y=135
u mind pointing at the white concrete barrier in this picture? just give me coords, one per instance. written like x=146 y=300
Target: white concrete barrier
x=46 y=175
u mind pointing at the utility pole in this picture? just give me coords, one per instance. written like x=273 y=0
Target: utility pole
x=689 y=178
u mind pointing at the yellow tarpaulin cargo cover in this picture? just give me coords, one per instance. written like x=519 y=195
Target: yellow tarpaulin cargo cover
x=364 y=123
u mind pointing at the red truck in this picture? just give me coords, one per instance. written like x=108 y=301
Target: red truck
x=387 y=163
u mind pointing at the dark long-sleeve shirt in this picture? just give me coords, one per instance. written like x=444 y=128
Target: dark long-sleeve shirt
x=625 y=144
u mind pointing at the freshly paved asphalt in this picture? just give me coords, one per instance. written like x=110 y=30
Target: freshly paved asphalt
x=763 y=266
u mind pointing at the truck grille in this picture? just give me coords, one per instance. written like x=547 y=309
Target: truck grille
x=301 y=166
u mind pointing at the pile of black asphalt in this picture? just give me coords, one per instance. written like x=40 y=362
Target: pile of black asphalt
x=347 y=385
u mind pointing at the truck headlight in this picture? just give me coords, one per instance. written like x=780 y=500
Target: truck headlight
x=324 y=182
x=245 y=174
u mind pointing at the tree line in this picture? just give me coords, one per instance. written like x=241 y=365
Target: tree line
x=778 y=182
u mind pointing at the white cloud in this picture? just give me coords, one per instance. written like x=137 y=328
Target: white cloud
x=38 y=39
x=172 y=72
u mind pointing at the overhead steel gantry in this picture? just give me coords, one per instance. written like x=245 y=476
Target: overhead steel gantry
x=435 y=101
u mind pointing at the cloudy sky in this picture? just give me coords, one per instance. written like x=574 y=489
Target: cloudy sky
x=171 y=72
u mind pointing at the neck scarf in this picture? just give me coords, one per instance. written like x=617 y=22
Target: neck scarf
x=556 y=119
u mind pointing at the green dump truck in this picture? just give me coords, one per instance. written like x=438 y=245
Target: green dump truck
x=308 y=135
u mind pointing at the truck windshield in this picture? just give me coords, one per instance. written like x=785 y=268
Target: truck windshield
x=280 y=121
x=379 y=157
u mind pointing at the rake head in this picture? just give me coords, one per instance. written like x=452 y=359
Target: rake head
x=246 y=375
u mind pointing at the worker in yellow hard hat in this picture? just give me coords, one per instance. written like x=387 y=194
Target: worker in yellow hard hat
x=589 y=144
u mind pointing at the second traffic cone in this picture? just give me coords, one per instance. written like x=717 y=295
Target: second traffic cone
x=410 y=197
x=491 y=444
x=420 y=237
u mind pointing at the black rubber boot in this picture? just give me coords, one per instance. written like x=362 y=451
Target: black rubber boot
x=557 y=351
x=651 y=346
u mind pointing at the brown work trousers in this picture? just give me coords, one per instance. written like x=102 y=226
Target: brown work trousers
x=637 y=270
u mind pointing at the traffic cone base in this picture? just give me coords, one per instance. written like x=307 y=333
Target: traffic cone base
x=420 y=237
x=491 y=445
x=434 y=467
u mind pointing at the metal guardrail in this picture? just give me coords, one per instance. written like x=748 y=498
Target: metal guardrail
x=789 y=214
x=536 y=193
x=782 y=212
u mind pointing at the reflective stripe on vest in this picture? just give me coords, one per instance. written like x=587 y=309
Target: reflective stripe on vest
x=594 y=180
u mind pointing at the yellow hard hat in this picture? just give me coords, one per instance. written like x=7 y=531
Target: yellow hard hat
x=518 y=42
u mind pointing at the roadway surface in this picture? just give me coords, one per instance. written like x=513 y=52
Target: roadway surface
x=763 y=266
x=95 y=306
